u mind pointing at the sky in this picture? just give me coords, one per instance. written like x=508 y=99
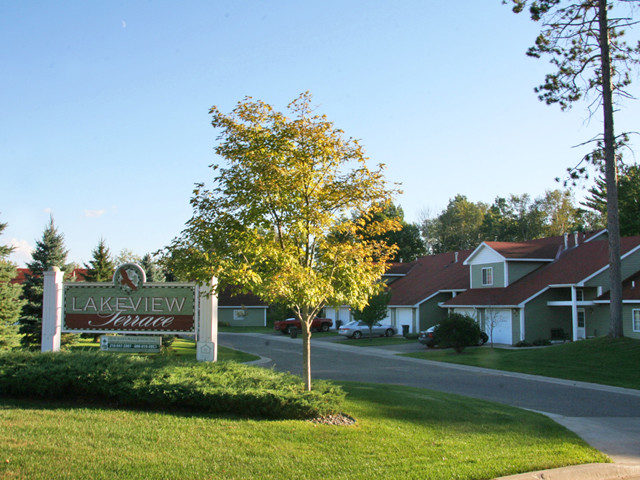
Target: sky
x=105 y=127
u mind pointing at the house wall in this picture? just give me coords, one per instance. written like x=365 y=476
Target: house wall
x=517 y=270
x=253 y=317
x=630 y=265
x=430 y=313
x=498 y=275
x=540 y=318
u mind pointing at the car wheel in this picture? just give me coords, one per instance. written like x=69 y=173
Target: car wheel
x=388 y=332
x=287 y=331
x=324 y=327
x=356 y=335
x=430 y=345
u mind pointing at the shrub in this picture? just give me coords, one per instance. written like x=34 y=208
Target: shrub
x=457 y=331
x=541 y=342
x=523 y=343
x=164 y=383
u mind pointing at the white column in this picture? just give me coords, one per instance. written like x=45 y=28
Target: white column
x=52 y=310
x=574 y=313
x=207 y=343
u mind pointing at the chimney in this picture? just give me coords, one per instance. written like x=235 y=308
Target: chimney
x=566 y=241
x=575 y=238
x=456 y=257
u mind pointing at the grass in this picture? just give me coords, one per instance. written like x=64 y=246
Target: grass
x=401 y=432
x=601 y=360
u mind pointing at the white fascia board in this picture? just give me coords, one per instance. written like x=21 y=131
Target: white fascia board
x=522 y=304
x=548 y=260
x=622 y=257
x=478 y=306
x=567 y=303
x=475 y=252
x=601 y=232
x=438 y=292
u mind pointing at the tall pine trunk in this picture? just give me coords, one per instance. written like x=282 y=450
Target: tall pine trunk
x=611 y=176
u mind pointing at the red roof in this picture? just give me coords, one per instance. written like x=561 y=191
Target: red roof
x=572 y=266
x=430 y=275
x=541 y=248
x=22 y=272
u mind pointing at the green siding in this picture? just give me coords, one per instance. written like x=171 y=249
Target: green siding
x=517 y=270
x=498 y=275
x=540 y=319
x=429 y=313
x=254 y=317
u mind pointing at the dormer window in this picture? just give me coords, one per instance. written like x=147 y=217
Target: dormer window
x=487 y=276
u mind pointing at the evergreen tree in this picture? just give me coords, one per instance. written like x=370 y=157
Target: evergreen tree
x=152 y=269
x=101 y=267
x=49 y=252
x=628 y=201
x=591 y=60
x=10 y=303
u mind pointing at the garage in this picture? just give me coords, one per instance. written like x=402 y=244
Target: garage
x=500 y=320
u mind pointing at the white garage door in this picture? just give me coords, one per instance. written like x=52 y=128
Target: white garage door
x=501 y=322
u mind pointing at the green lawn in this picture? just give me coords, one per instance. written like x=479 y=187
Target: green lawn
x=401 y=433
x=601 y=360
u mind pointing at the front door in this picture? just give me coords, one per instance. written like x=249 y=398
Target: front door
x=581 y=333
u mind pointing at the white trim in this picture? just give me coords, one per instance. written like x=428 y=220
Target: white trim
x=601 y=232
x=633 y=320
x=633 y=250
x=473 y=254
x=506 y=274
x=489 y=282
x=567 y=303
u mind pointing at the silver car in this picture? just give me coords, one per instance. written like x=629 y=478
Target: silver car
x=357 y=328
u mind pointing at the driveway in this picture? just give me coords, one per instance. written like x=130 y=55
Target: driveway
x=608 y=418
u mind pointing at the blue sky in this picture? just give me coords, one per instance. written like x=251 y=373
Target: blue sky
x=105 y=105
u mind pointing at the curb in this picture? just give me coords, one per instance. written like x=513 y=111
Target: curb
x=590 y=471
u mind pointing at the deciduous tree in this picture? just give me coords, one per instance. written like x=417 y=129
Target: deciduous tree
x=375 y=311
x=591 y=60
x=285 y=216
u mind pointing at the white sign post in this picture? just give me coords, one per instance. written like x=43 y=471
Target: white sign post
x=87 y=305
x=52 y=310
x=207 y=340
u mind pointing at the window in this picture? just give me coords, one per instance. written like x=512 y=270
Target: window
x=487 y=276
x=579 y=295
x=581 y=318
x=636 y=320
x=239 y=314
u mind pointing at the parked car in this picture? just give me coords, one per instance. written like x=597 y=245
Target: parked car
x=286 y=326
x=427 y=338
x=357 y=328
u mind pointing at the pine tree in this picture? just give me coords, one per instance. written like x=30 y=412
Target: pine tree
x=49 y=252
x=10 y=303
x=101 y=267
x=152 y=269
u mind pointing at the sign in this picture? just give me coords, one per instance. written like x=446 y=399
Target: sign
x=130 y=344
x=129 y=305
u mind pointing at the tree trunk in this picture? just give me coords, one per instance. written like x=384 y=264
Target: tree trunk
x=305 y=323
x=611 y=176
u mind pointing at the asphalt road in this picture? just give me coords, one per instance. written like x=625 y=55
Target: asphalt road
x=606 y=417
